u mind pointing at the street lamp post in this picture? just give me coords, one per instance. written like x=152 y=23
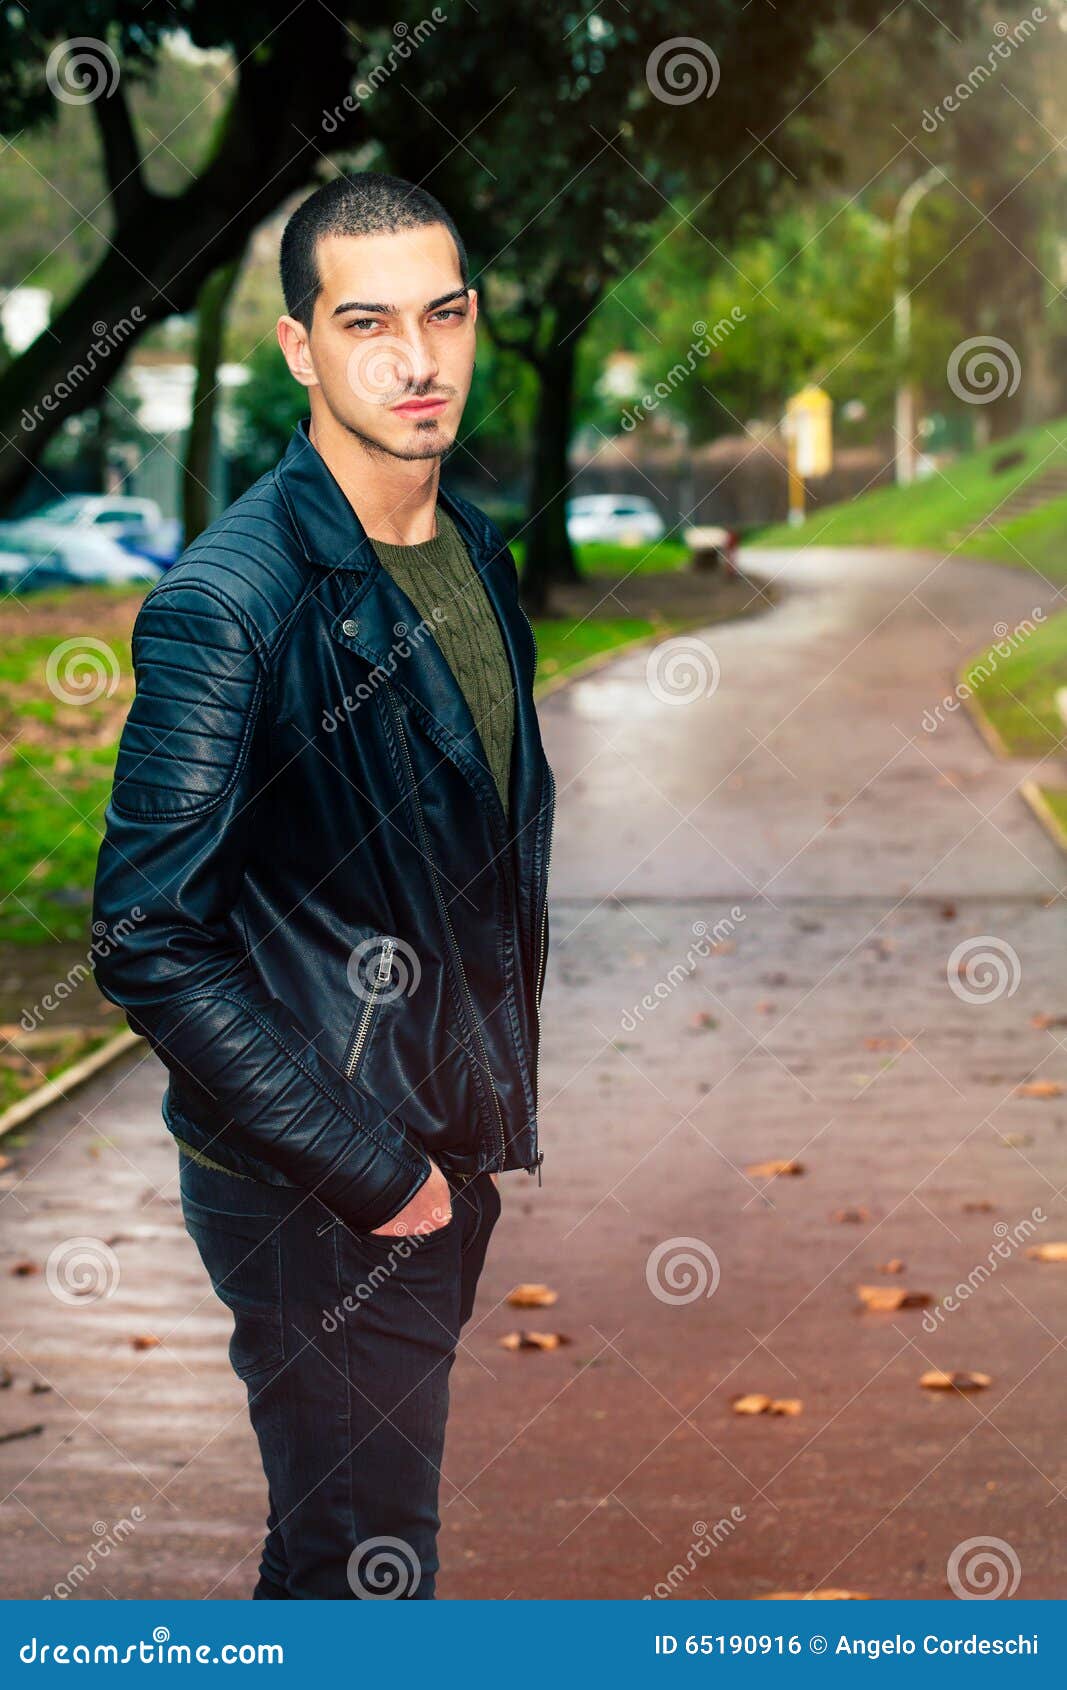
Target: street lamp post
x=904 y=407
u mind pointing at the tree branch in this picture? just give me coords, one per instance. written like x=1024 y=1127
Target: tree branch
x=122 y=154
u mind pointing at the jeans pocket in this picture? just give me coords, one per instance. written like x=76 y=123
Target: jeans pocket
x=242 y=1254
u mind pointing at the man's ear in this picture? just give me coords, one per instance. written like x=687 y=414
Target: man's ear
x=296 y=350
x=472 y=295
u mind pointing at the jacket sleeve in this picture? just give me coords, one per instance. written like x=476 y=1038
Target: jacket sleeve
x=191 y=769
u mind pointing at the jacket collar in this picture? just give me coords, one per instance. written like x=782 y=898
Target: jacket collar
x=329 y=529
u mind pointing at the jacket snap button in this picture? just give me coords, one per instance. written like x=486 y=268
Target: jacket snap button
x=349 y=626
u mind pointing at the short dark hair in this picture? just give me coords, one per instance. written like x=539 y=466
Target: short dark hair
x=368 y=204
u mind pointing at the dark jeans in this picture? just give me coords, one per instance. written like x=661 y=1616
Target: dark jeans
x=345 y=1342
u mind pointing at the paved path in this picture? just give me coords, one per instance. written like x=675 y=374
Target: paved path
x=801 y=811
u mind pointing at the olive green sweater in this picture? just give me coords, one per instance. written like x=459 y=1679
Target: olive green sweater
x=438 y=574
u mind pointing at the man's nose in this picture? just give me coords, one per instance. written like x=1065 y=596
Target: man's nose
x=418 y=364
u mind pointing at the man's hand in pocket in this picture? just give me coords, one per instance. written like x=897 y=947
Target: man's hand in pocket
x=429 y=1209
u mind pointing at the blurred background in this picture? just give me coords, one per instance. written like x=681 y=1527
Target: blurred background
x=755 y=280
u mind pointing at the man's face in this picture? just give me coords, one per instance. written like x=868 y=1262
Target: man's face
x=391 y=348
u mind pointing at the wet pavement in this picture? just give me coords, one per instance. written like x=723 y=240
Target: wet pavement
x=789 y=922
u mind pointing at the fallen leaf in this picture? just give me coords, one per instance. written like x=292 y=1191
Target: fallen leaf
x=772 y=1169
x=887 y=1298
x=948 y=912
x=815 y=1596
x=144 y=1341
x=756 y=1402
x=766 y=1006
x=886 y=1044
x=22 y=1432
x=703 y=1020
x=532 y=1297
x=1040 y=1088
x=851 y=1217
x=1048 y=1252
x=5 y=1161
x=1043 y=1021
x=979 y=1206
x=895 y=1265
x=1015 y=1141
x=534 y=1340
x=22 y=1270
x=957 y=1380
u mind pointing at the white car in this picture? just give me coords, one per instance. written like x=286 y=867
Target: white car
x=108 y=513
x=621 y=519
x=35 y=554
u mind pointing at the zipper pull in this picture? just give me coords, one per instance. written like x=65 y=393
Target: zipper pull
x=536 y=1163
x=385 y=962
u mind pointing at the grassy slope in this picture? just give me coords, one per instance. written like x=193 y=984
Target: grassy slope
x=943 y=511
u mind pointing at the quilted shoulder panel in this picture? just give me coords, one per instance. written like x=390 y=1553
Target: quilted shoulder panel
x=199 y=669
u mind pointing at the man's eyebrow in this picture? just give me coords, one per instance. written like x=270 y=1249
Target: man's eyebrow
x=391 y=310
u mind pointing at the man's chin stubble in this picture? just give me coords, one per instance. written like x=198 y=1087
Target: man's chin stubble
x=438 y=447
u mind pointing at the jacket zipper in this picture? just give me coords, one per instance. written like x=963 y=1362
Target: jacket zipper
x=475 y=1029
x=363 y=1026
x=539 y=1155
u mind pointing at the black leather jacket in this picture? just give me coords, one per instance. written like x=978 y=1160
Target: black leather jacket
x=331 y=933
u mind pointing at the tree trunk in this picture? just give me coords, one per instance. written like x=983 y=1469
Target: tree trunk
x=549 y=555
x=162 y=249
x=211 y=311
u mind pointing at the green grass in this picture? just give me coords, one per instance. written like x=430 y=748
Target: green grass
x=1056 y=799
x=1017 y=691
x=566 y=642
x=657 y=559
x=942 y=511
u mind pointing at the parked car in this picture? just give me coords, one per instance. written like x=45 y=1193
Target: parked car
x=34 y=555
x=137 y=525
x=614 y=518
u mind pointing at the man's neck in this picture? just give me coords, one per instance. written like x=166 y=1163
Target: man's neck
x=394 y=499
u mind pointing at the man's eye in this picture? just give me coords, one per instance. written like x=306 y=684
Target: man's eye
x=449 y=312
x=363 y=323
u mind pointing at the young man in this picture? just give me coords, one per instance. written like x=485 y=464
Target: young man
x=331 y=821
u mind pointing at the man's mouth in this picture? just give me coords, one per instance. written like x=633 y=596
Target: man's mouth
x=419 y=407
